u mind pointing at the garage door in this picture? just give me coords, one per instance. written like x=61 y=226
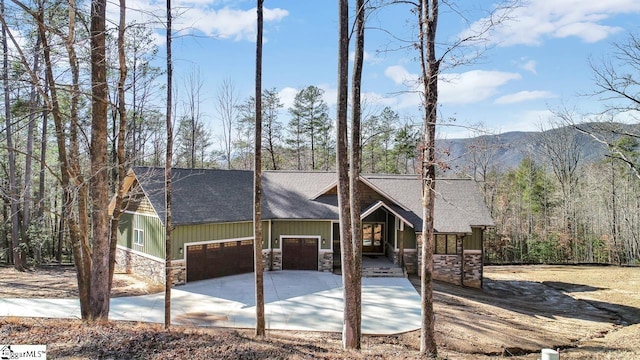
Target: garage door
x=300 y=254
x=208 y=261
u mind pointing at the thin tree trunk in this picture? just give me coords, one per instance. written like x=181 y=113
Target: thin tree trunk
x=257 y=195
x=167 y=175
x=120 y=156
x=43 y=159
x=354 y=165
x=99 y=180
x=428 y=21
x=34 y=100
x=350 y=330
x=19 y=256
x=79 y=230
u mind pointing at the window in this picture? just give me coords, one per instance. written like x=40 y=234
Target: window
x=372 y=234
x=138 y=237
x=446 y=244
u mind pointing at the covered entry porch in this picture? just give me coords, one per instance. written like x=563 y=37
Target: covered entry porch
x=385 y=235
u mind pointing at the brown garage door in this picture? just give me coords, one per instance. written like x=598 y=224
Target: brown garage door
x=208 y=261
x=300 y=254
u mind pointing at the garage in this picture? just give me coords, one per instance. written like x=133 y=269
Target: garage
x=207 y=261
x=300 y=253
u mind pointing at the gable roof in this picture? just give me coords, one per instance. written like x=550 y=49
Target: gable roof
x=459 y=203
x=200 y=195
x=211 y=195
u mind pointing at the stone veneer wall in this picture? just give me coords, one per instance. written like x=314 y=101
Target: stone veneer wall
x=266 y=260
x=179 y=272
x=449 y=268
x=325 y=260
x=473 y=268
x=410 y=260
x=276 y=259
x=131 y=262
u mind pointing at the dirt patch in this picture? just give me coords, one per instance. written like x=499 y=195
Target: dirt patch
x=49 y=282
x=586 y=312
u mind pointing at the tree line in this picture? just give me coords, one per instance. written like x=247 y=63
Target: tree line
x=556 y=207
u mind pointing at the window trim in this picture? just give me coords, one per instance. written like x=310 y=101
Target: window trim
x=447 y=251
x=136 y=237
x=373 y=225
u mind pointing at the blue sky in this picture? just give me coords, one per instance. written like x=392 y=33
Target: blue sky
x=537 y=62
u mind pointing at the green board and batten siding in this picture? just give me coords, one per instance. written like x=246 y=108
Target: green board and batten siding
x=209 y=232
x=181 y=234
x=153 y=233
x=302 y=227
x=409 y=237
x=473 y=242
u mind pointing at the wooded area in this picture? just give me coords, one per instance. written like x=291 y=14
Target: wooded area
x=64 y=149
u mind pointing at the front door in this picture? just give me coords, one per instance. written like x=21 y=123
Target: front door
x=373 y=238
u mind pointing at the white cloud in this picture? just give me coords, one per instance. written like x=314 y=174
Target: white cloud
x=287 y=96
x=472 y=86
x=400 y=75
x=529 y=66
x=367 y=57
x=524 y=121
x=200 y=16
x=524 y=96
x=378 y=99
x=455 y=88
x=226 y=23
x=540 y=19
x=330 y=95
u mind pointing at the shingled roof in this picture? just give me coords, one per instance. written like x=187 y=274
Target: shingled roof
x=209 y=195
x=200 y=195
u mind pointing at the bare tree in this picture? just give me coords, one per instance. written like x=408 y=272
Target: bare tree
x=75 y=191
x=19 y=256
x=350 y=330
x=99 y=180
x=120 y=162
x=167 y=175
x=257 y=181
x=352 y=335
x=562 y=149
x=430 y=69
x=619 y=89
x=193 y=136
x=227 y=107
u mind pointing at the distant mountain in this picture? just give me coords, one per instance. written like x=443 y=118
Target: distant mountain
x=509 y=149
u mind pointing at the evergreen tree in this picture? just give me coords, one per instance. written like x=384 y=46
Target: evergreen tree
x=312 y=113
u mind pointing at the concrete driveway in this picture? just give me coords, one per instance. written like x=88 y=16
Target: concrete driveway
x=294 y=300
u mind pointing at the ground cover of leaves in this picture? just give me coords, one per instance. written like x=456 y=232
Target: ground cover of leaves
x=587 y=312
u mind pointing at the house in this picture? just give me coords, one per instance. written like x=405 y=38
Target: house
x=212 y=212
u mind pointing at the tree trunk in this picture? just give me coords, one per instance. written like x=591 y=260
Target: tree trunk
x=354 y=166
x=350 y=339
x=120 y=156
x=257 y=195
x=99 y=180
x=43 y=158
x=428 y=21
x=34 y=101
x=19 y=256
x=167 y=175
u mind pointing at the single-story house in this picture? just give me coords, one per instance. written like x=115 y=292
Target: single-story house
x=212 y=212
